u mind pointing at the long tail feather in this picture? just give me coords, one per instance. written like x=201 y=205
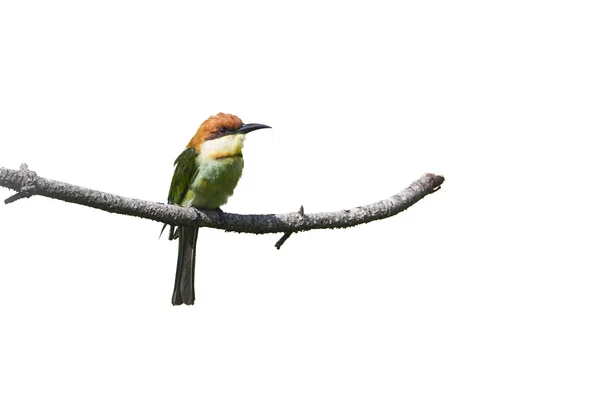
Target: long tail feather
x=183 y=293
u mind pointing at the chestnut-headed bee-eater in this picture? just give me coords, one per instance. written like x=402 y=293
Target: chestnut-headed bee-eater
x=205 y=175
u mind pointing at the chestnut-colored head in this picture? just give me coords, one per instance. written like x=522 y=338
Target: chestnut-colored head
x=221 y=125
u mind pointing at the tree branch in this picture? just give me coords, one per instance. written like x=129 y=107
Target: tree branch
x=27 y=183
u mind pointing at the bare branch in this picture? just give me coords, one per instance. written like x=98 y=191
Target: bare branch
x=27 y=183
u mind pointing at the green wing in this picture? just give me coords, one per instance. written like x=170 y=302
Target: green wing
x=185 y=173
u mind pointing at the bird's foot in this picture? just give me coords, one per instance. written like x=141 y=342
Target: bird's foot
x=200 y=214
x=221 y=215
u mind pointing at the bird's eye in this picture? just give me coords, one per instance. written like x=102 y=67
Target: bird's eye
x=222 y=130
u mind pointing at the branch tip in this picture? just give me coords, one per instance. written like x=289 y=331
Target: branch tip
x=24 y=193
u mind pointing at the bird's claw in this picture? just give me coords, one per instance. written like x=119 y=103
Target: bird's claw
x=201 y=214
x=221 y=215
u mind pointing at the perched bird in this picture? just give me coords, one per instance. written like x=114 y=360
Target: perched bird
x=205 y=175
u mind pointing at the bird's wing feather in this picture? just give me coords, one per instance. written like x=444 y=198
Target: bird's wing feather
x=186 y=171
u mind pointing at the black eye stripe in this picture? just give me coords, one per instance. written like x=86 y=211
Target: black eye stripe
x=222 y=131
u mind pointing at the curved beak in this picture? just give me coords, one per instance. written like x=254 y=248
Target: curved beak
x=251 y=127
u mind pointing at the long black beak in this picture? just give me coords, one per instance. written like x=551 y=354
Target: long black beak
x=251 y=127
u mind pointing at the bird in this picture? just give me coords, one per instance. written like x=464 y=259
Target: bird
x=206 y=174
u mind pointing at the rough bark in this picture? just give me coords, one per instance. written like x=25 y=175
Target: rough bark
x=27 y=184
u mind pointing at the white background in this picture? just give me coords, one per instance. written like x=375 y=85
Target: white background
x=488 y=289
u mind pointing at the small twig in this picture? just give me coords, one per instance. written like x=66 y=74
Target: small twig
x=281 y=241
x=286 y=235
x=26 y=191
x=27 y=185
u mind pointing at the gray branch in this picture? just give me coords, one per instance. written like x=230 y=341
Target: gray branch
x=27 y=184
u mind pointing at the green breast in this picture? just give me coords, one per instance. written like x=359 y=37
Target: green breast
x=215 y=182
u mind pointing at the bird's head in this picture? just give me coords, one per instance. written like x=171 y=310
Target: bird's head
x=220 y=126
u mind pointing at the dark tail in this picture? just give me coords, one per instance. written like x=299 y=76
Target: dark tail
x=186 y=264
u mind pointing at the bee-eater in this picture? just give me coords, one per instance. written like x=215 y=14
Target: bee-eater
x=205 y=175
